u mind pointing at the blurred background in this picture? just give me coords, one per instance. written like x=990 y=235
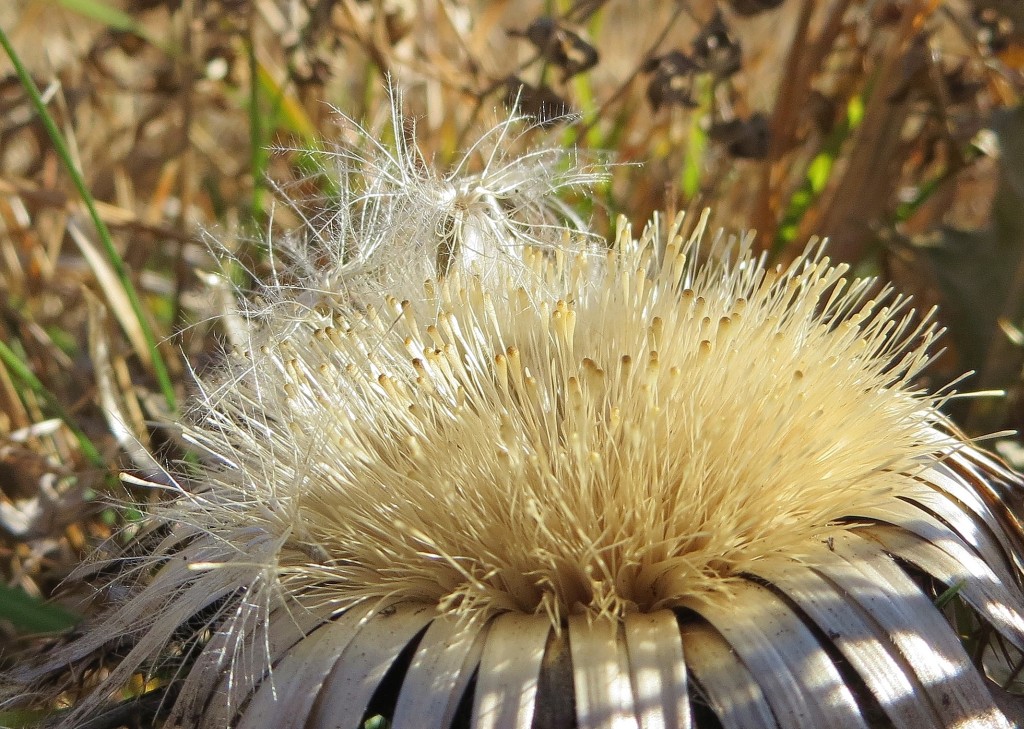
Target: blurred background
x=893 y=127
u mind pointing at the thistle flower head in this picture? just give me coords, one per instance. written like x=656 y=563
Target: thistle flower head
x=662 y=484
x=633 y=434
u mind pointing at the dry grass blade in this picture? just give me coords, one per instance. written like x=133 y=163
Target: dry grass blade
x=116 y=297
x=14 y=364
x=131 y=437
x=865 y=188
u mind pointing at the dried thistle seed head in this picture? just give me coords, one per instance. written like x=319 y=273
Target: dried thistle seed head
x=612 y=441
x=642 y=475
x=574 y=486
x=646 y=477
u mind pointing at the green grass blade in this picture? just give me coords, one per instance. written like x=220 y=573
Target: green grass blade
x=270 y=107
x=817 y=176
x=24 y=373
x=115 y=19
x=697 y=137
x=19 y=718
x=259 y=158
x=948 y=594
x=57 y=139
x=31 y=615
x=103 y=13
x=906 y=209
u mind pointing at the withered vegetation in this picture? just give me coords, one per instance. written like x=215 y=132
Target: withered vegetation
x=893 y=128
